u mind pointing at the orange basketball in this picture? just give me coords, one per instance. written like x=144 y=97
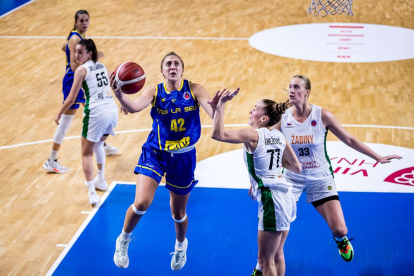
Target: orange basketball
x=130 y=77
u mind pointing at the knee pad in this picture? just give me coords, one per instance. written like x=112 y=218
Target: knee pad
x=100 y=153
x=62 y=129
x=136 y=210
x=180 y=220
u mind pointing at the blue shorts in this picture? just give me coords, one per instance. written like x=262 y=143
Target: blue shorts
x=177 y=167
x=67 y=86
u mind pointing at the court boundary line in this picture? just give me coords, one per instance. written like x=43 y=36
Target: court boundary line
x=203 y=126
x=130 y=37
x=80 y=230
x=15 y=9
x=85 y=223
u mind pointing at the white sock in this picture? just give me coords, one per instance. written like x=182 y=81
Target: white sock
x=53 y=155
x=91 y=186
x=179 y=245
x=126 y=235
x=101 y=174
x=258 y=266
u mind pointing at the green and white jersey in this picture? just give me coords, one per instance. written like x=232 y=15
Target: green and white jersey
x=265 y=162
x=308 y=140
x=96 y=86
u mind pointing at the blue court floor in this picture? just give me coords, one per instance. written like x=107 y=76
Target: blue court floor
x=9 y=5
x=222 y=236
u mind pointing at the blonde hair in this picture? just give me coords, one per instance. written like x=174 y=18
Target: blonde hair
x=307 y=81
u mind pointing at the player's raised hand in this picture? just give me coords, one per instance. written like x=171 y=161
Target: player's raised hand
x=228 y=95
x=215 y=100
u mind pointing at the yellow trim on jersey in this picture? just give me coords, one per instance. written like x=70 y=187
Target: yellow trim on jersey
x=191 y=90
x=179 y=89
x=75 y=31
x=149 y=169
x=180 y=187
x=155 y=98
x=159 y=139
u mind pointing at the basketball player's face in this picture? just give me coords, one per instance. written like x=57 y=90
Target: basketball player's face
x=297 y=91
x=172 y=68
x=256 y=115
x=82 y=54
x=82 y=23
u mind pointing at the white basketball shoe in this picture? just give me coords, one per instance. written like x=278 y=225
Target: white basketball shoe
x=179 y=257
x=110 y=150
x=54 y=166
x=121 y=252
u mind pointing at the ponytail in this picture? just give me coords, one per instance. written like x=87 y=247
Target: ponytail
x=274 y=110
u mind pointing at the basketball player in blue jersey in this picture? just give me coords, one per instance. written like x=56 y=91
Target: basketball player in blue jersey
x=77 y=34
x=169 y=151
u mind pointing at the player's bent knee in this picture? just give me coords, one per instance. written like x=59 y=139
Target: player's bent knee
x=136 y=211
x=180 y=220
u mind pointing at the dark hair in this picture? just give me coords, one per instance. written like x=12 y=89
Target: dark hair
x=90 y=47
x=78 y=13
x=307 y=81
x=274 y=110
x=171 y=54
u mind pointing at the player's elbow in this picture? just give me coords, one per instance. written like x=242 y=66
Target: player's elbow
x=70 y=100
x=216 y=135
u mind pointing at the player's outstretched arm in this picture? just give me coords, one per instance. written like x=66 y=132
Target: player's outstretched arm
x=133 y=106
x=219 y=133
x=202 y=97
x=72 y=48
x=339 y=131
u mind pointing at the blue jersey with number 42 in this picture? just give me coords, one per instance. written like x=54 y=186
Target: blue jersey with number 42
x=176 y=118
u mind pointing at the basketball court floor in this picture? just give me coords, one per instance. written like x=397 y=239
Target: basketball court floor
x=361 y=69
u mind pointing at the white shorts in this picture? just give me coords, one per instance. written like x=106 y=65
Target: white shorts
x=277 y=209
x=98 y=123
x=317 y=186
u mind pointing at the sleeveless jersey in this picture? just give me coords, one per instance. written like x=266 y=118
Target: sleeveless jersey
x=265 y=162
x=68 y=68
x=308 y=140
x=176 y=119
x=96 y=87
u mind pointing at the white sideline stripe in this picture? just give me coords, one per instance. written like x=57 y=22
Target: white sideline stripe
x=61 y=245
x=128 y=37
x=80 y=230
x=85 y=212
x=203 y=126
x=15 y=9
